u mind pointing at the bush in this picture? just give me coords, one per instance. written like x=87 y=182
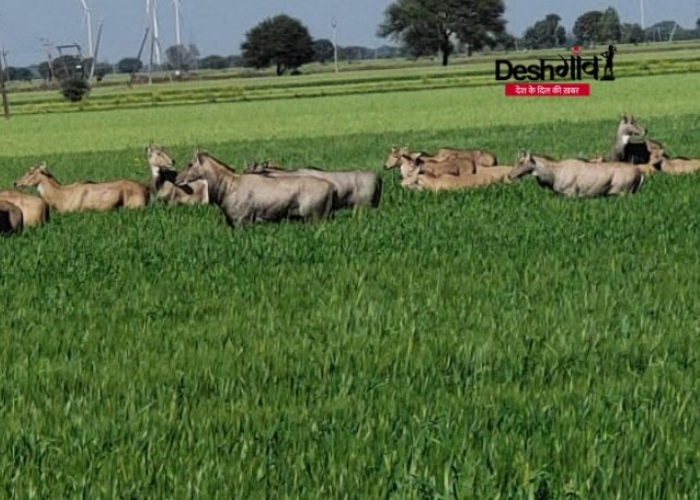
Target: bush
x=74 y=89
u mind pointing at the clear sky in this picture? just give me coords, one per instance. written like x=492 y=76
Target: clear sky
x=219 y=26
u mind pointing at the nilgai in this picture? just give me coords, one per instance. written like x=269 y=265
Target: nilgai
x=674 y=165
x=480 y=157
x=251 y=198
x=418 y=179
x=35 y=211
x=98 y=196
x=11 y=219
x=405 y=162
x=353 y=188
x=163 y=185
x=630 y=145
x=576 y=178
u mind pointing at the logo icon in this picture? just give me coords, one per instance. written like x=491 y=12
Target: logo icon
x=608 y=55
x=576 y=67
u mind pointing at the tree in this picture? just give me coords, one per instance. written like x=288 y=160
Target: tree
x=129 y=65
x=67 y=67
x=234 y=62
x=45 y=71
x=631 y=33
x=213 y=62
x=609 y=27
x=428 y=26
x=181 y=57
x=587 y=27
x=323 y=50
x=74 y=89
x=10 y=73
x=103 y=69
x=282 y=41
x=545 y=33
x=22 y=74
x=506 y=41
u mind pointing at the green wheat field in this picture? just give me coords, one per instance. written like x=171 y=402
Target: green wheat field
x=498 y=343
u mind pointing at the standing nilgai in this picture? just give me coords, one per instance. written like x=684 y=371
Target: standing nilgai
x=97 y=196
x=163 y=186
x=249 y=198
x=353 y=188
x=578 y=178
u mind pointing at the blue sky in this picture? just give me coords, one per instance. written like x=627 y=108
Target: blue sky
x=219 y=26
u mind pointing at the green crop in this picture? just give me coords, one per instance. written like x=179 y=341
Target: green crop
x=497 y=343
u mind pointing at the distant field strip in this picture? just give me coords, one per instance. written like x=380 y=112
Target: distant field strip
x=357 y=82
x=39 y=135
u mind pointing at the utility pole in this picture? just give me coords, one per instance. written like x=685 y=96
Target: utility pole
x=3 y=90
x=334 y=24
x=641 y=11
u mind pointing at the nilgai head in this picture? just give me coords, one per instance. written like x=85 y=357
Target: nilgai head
x=194 y=170
x=628 y=127
x=525 y=164
x=394 y=158
x=33 y=176
x=158 y=158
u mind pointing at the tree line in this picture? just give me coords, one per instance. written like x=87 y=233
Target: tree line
x=433 y=28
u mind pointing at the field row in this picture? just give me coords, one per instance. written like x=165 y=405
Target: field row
x=327 y=121
x=215 y=91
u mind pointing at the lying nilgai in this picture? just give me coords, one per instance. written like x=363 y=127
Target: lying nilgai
x=353 y=188
x=11 y=219
x=98 y=196
x=577 y=178
x=163 y=185
x=405 y=161
x=416 y=178
x=673 y=165
x=630 y=145
x=477 y=157
x=249 y=198
x=35 y=211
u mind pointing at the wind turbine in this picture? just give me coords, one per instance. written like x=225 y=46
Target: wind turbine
x=178 y=14
x=87 y=16
x=152 y=12
x=97 y=49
